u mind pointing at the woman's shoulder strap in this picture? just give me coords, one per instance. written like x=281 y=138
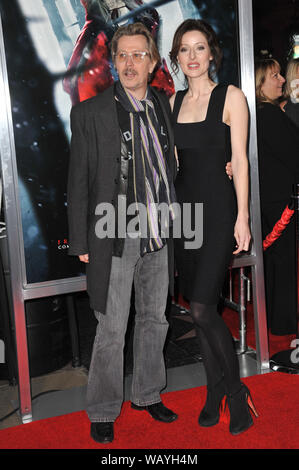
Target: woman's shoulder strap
x=177 y=104
x=217 y=100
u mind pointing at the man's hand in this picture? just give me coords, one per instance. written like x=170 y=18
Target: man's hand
x=229 y=170
x=84 y=258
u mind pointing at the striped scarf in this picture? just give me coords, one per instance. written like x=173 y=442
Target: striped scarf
x=152 y=182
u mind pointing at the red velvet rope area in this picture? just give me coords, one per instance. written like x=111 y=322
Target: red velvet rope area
x=278 y=227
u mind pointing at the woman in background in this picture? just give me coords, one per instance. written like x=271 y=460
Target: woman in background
x=210 y=129
x=278 y=151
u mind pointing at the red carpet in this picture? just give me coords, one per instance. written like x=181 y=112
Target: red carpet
x=275 y=396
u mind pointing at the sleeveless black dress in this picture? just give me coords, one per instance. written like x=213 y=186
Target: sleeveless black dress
x=204 y=148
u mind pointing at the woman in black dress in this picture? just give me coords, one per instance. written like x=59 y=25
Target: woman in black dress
x=278 y=151
x=210 y=128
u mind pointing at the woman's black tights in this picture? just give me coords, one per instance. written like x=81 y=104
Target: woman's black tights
x=216 y=347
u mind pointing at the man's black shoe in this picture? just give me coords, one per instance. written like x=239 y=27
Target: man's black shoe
x=158 y=411
x=102 y=432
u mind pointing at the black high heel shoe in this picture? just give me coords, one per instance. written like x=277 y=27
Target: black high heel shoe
x=210 y=413
x=240 y=404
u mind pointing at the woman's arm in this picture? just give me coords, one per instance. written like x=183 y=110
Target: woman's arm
x=236 y=112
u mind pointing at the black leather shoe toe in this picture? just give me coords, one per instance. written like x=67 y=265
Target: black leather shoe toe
x=158 y=411
x=102 y=432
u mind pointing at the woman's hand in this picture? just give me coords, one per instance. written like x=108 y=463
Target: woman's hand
x=84 y=258
x=242 y=235
x=229 y=170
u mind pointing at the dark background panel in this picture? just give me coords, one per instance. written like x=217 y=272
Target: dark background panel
x=276 y=22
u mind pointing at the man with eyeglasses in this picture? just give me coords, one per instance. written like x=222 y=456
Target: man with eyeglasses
x=122 y=150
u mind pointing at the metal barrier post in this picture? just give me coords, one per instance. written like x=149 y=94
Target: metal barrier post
x=239 y=307
x=242 y=313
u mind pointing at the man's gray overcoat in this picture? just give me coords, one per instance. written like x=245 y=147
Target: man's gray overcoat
x=93 y=178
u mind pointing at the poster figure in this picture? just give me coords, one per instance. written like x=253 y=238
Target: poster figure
x=91 y=61
x=57 y=54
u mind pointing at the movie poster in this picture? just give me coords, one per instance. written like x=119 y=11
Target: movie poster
x=57 y=54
